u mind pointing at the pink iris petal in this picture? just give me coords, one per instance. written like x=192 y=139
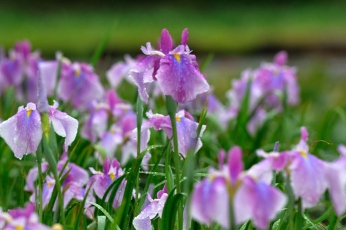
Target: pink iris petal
x=278 y=160
x=32 y=176
x=336 y=178
x=186 y=130
x=48 y=71
x=184 y=36
x=142 y=74
x=120 y=70
x=179 y=78
x=79 y=85
x=166 y=43
x=63 y=124
x=10 y=72
x=258 y=201
x=235 y=163
x=307 y=178
x=23 y=131
x=142 y=221
x=210 y=202
x=97 y=122
x=102 y=180
x=111 y=140
x=280 y=58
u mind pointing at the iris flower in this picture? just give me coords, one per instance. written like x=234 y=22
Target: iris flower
x=175 y=70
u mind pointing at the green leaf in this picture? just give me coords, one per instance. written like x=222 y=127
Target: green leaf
x=101 y=223
x=102 y=219
x=170 y=210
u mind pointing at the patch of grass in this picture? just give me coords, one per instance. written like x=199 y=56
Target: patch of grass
x=78 y=31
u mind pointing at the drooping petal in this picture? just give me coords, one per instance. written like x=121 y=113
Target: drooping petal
x=179 y=78
x=307 y=177
x=210 y=202
x=63 y=124
x=142 y=221
x=142 y=74
x=258 y=201
x=23 y=131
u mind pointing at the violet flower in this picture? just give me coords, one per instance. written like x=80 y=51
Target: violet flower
x=21 y=218
x=186 y=130
x=154 y=208
x=120 y=70
x=307 y=172
x=268 y=84
x=73 y=186
x=175 y=70
x=250 y=192
x=102 y=180
x=23 y=131
x=79 y=85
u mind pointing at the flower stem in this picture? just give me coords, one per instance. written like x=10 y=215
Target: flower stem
x=40 y=183
x=53 y=165
x=139 y=109
x=232 y=225
x=171 y=109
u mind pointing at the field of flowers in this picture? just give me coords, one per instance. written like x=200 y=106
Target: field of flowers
x=75 y=155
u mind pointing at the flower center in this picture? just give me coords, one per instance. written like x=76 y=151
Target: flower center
x=112 y=176
x=50 y=184
x=177 y=57
x=304 y=154
x=28 y=112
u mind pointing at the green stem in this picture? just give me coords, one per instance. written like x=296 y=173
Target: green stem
x=53 y=165
x=40 y=183
x=171 y=109
x=139 y=127
x=232 y=225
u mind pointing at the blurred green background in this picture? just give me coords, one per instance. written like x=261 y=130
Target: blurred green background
x=239 y=34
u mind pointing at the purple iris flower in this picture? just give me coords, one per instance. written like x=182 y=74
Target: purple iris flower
x=120 y=70
x=175 y=70
x=23 y=131
x=250 y=192
x=21 y=218
x=307 y=172
x=100 y=181
x=79 y=85
x=48 y=71
x=73 y=185
x=97 y=121
x=186 y=129
x=268 y=83
x=154 y=208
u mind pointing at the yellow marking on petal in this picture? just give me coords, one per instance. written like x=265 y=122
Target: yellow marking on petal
x=177 y=57
x=18 y=227
x=112 y=176
x=50 y=184
x=77 y=72
x=28 y=112
x=112 y=131
x=304 y=154
x=177 y=119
